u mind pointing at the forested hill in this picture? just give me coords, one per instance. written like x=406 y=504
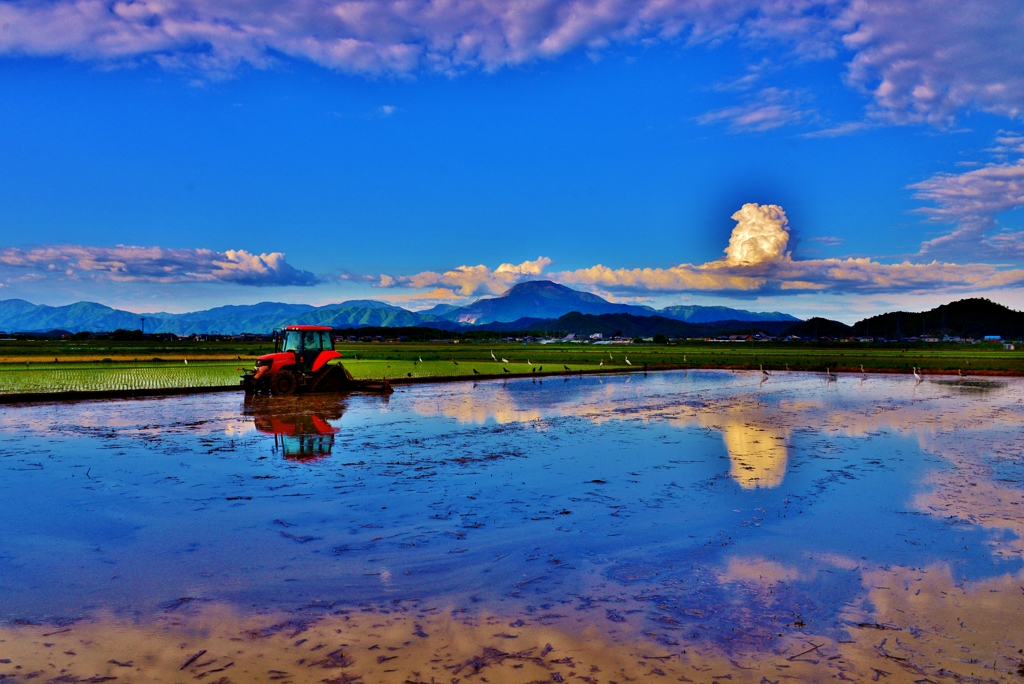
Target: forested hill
x=974 y=318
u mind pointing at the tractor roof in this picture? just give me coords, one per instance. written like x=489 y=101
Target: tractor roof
x=309 y=327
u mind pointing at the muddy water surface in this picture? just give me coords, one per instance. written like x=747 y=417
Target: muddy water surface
x=682 y=525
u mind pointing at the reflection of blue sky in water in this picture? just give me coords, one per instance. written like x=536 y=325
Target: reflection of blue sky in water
x=706 y=502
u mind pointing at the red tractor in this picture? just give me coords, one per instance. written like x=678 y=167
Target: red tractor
x=299 y=364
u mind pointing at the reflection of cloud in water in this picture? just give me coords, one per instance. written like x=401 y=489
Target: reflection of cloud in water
x=757 y=448
x=475 y=410
x=756 y=444
x=758 y=457
x=757 y=571
x=914 y=625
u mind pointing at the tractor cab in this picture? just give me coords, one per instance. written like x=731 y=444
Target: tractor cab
x=305 y=343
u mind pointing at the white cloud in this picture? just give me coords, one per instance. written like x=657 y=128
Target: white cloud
x=927 y=60
x=155 y=265
x=755 y=262
x=971 y=201
x=471 y=280
x=919 y=60
x=761 y=235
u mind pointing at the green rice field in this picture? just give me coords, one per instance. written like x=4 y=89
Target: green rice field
x=41 y=367
x=124 y=376
x=49 y=377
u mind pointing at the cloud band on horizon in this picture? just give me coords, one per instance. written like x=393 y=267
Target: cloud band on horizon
x=756 y=261
x=153 y=265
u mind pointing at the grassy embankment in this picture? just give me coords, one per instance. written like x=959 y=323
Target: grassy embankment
x=55 y=366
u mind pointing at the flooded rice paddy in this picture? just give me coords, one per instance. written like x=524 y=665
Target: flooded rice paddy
x=700 y=526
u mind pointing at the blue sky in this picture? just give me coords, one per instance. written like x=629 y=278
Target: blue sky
x=147 y=162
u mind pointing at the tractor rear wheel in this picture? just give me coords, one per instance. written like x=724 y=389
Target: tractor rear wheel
x=283 y=383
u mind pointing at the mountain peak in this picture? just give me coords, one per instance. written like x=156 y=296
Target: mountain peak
x=540 y=287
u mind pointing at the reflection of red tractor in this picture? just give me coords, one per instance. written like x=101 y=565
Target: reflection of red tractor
x=301 y=429
x=299 y=364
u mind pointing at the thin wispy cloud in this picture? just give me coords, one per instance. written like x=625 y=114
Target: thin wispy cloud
x=972 y=200
x=128 y=264
x=770 y=108
x=918 y=60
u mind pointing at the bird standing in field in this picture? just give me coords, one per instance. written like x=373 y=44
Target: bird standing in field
x=541 y=368
x=528 y=362
x=493 y=356
x=421 y=359
x=408 y=375
x=566 y=367
x=476 y=372
x=600 y=363
x=764 y=372
x=186 y=362
x=504 y=360
x=455 y=362
x=917 y=375
x=505 y=369
x=829 y=375
x=628 y=363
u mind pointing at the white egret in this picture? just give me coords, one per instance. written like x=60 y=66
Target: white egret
x=504 y=360
x=493 y=356
x=917 y=375
x=627 y=361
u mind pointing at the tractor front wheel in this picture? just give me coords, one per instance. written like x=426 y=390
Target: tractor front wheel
x=283 y=383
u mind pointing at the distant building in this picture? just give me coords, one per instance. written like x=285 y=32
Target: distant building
x=1008 y=346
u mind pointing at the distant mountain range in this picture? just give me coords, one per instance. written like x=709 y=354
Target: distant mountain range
x=532 y=301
